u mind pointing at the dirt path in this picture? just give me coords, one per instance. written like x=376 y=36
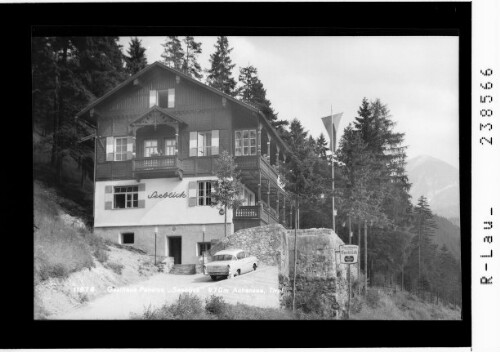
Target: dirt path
x=258 y=288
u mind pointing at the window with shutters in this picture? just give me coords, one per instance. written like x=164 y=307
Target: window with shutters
x=169 y=146
x=121 y=148
x=204 y=193
x=126 y=197
x=245 y=142
x=205 y=143
x=150 y=148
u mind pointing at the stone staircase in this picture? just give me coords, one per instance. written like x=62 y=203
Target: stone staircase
x=183 y=269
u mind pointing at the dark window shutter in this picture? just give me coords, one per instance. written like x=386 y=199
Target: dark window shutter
x=142 y=187
x=108 y=205
x=108 y=189
x=141 y=203
x=101 y=149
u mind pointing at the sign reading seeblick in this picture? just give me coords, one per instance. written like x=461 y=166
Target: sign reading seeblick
x=155 y=194
x=349 y=254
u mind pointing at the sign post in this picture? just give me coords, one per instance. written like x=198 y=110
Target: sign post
x=349 y=255
x=156 y=233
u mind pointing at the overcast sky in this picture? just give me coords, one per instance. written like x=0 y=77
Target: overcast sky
x=417 y=77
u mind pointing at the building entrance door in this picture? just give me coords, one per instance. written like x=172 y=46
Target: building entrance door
x=175 y=249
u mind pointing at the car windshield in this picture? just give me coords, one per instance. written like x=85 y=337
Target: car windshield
x=222 y=257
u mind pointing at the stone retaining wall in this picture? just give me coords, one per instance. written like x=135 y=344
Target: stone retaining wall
x=321 y=281
x=267 y=243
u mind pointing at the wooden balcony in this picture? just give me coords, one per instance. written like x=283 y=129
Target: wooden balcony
x=255 y=212
x=156 y=166
x=257 y=162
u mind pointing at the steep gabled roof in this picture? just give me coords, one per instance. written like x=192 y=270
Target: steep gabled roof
x=171 y=70
x=190 y=79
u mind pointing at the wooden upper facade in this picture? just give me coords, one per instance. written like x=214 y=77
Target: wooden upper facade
x=178 y=123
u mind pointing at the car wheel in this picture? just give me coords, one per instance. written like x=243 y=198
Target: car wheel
x=254 y=266
x=214 y=277
x=238 y=272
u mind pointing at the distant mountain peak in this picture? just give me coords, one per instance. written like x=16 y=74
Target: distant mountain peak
x=423 y=159
x=438 y=181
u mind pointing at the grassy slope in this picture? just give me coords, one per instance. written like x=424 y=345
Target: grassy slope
x=384 y=305
x=68 y=257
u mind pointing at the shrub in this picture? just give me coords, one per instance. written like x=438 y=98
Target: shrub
x=372 y=298
x=117 y=268
x=246 y=312
x=216 y=305
x=101 y=255
x=356 y=305
x=189 y=307
x=316 y=302
x=359 y=283
x=82 y=297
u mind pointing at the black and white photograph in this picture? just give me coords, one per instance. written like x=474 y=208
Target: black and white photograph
x=234 y=170
x=246 y=177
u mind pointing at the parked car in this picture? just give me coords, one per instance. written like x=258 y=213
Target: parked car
x=230 y=263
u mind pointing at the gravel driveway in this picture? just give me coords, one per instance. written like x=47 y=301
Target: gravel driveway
x=258 y=288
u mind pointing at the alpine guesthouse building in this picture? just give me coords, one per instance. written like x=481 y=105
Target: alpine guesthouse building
x=158 y=135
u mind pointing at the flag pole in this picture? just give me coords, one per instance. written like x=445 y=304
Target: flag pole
x=332 y=143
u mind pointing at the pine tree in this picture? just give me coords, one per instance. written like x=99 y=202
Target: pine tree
x=252 y=91
x=308 y=177
x=376 y=128
x=190 y=64
x=173 y=55
x=136 y=59
x=101 y=63
x=322 y=146
x=220 y=75
x=226 y=192
x=425 y=250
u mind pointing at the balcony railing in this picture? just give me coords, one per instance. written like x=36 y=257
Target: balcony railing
x=163 y=162
x=255 y=212
x=247 y=212
x=255 y=162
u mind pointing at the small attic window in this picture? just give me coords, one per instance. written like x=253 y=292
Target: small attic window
x=166 y=98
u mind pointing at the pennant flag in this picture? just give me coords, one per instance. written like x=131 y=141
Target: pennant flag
x=331 y=123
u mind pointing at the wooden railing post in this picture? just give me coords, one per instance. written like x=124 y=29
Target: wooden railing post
x=176 y=138
x=278 y=205
x=268 y=194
